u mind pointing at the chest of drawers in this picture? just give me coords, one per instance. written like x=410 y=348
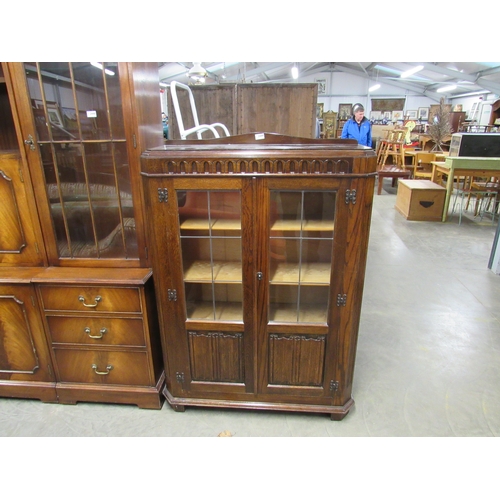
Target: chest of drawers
x=103 y=333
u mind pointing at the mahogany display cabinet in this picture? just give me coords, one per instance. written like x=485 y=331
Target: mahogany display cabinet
x=78 y=315
x=259 y=246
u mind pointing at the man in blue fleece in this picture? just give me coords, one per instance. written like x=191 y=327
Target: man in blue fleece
x=358 y=127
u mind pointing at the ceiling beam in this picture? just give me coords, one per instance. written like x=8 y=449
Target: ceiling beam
x=393 y=82
x=477 y=80
x=490 y=71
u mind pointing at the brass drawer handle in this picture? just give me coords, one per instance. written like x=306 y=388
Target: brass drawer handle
x=98 y=299
x=108 y=369
x=102 y=331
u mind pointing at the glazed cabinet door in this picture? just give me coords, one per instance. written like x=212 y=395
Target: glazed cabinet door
x=79 y=125
x=299 y=271
x=203 y=236
x=25 y=366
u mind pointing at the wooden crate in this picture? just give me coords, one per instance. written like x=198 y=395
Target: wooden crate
x=420 y=199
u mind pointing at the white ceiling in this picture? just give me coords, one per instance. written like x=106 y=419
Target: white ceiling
x=467 y=76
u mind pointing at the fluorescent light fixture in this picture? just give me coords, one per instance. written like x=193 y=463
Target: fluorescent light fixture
x=100 y=66
x=295 y=72
x=387 y=70
x=447 y=88
x=469 y=94
x=374 y=87
x=412 y=71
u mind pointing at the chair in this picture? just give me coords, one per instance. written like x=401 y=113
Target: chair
x=392 y=146
x=197 y=129
x=423 y=165
x=492 y=187
x=466 y=188
x=382 y=145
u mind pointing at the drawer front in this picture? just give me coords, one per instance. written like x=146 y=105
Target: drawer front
x=103 y=367
x=91 y=299
x=94 y=330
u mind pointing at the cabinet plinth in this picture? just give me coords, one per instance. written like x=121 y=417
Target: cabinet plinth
x=259 y=251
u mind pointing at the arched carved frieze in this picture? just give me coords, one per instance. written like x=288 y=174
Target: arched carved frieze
x=261 y=166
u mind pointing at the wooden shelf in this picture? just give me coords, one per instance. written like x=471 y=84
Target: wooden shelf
x=287 y=313
x=235 y=225
x=216 y=225
x=224 y=311
x=227 y=225
x=314 y=273
x=196 y=225
x=202 y=271
x=309 y=225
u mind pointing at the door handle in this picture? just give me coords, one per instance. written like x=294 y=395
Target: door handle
x=30 y=142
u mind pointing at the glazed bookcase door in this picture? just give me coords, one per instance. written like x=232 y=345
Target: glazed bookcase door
x=75 y=126
x=300 y=269
x=208 y=221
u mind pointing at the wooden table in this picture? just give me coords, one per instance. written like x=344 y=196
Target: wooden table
x=411 y=153
x=462 y=166
x=440 y=155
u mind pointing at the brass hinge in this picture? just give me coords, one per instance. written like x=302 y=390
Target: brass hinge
x=350 y=196
x=50 y=369
x=334 y=386
x=32 y=300
x=134 y=140
x=172 y=294
x=163 y=195
x=341 y=299
x=21 y=176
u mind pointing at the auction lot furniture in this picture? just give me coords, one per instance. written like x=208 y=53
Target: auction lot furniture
x=78 y=317
x=463 y=166
x=259 y=246
x=393 y=172
x=420 y=199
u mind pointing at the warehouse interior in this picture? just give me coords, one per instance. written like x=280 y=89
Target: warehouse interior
x=427 y=354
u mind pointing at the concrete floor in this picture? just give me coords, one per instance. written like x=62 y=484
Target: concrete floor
x=428 y=359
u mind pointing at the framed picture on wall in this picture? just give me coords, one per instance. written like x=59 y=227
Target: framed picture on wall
x=345 y=111
x=376 y=115
x=412 y=114
x=423 y=113
x=321 y=86
x=388 y=115
x=397 y=115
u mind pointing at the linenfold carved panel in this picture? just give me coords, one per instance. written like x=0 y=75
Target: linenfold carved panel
x=216 y=356
x=296 y=359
